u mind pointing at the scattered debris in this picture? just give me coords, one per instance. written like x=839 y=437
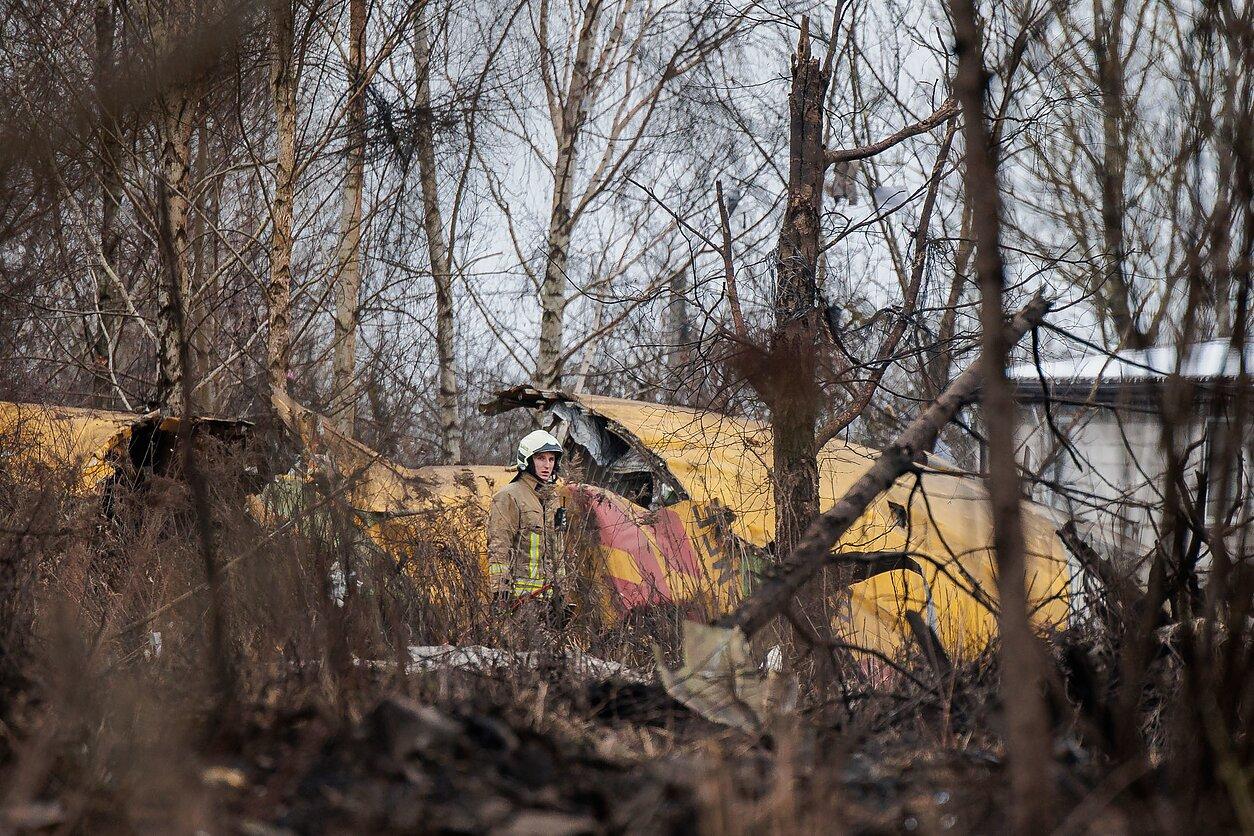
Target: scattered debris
x=720 y=681
x=224 y=776
x=491 y=659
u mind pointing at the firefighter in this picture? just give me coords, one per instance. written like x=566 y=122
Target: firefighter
x=526 y=528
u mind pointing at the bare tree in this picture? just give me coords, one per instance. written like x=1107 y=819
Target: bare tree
x=793 y=395
x=1109 y=23
x=348 y=253
x=110 y=150
x=1027 y=726
x=437 y=248
x=790 y=382
x=283 y=86
x=605 y=71
x=567 y=110
x=177 y=114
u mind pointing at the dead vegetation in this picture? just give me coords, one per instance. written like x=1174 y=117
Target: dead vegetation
x=265 y=627
x=114 y=720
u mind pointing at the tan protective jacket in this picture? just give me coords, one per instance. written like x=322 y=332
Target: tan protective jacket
x=525 y=546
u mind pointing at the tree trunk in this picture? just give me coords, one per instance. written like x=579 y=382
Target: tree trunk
x=101 y=348
x=279 y=295
x=437 y=253
x=679 y=326
x=202 y=318
x=561 y=221
x=1114 y=289
x=814 y=552
x=794 y=394
x=348 y=255
x=1027 y=725
x=177 y=116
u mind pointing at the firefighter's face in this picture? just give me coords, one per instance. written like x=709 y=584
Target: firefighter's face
x=544 y=464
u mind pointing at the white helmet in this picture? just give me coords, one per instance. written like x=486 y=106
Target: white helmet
x=536 y=442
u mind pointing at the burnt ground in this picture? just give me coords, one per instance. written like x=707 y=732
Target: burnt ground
x=453 y=752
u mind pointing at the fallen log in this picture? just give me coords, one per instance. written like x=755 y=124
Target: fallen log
x=814 y=551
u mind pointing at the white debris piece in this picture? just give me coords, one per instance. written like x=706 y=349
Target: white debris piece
x=720 y=681
x=494 y=659
x=339 y=586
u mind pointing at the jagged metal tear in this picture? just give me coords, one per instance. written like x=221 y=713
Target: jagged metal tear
x=583 y=428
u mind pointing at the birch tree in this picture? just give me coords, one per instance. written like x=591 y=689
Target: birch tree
x=437 y=249
x=611 y=65
x=176 y=113
x=109 y=150
x=283 y=85
x=348 y=252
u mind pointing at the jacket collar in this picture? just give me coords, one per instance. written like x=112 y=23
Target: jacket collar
x=529 y=479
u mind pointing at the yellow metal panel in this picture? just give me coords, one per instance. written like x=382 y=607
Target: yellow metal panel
x=620 y=564
x=728 y=460
x=877 y=611
x=63 y=437
x=722 y=461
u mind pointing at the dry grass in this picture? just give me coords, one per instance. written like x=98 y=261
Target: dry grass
x=113 y=719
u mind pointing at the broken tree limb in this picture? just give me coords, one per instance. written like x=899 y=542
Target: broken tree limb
x=729 y=269
x=1118 y=590
x=814 y=550
x=910 y=303
x=790 y=385
x=947 y=110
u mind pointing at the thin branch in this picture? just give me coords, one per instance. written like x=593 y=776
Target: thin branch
x=909 y=305
x=946 y=111
x=814 y=550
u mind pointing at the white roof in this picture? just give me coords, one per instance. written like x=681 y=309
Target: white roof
x=1213 y=358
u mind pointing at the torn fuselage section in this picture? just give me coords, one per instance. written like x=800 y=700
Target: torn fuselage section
x=660 y=544
x=608 y=458
x=607 y=454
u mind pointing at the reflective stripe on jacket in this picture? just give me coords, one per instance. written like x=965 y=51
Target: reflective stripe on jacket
x=524 y=545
